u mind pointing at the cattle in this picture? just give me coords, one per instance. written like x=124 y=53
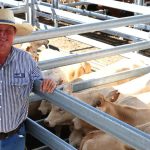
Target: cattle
x=75 y=137
x=97 y=138
x=122 y=65
x=144 y=127
x=58 y=116
x=68 y=73
x=131 y=115
x=32 y=47
x=131 y=101
x=138 y=101
x=63 y=75
x=45 y=107
x=119 y=66
x=82 y=128
x=135 y=86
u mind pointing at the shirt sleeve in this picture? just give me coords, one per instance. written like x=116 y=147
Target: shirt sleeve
x=36 y=73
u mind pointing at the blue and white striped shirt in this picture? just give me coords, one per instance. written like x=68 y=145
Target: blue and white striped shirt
x=16 y=81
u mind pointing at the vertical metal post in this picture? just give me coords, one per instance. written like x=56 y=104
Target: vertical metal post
x=30 y=15
x=54 y=15
x=141 y=3
x=1 y=5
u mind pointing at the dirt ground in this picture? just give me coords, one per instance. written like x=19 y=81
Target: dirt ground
x=68 y=45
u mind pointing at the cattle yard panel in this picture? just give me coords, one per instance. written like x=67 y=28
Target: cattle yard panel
x=122 y=31
x=83 y=28
x=109 y=124
x=99 y=119
x=115 y=31
x=82 y=85
x=121 y=5
x=109 y=79
x=46 y=137
x=75 y=58
x=99 y=15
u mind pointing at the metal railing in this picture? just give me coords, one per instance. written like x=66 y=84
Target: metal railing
x=101 y=120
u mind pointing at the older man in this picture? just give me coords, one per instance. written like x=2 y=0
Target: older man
x=18 y=71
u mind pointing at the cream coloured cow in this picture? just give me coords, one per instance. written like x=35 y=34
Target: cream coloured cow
x=97 y=138
x=63 y=75
x=32 y=47
x=139 y=101
x=122 y=65
x=58 y=116
x=67 y=73
x=138 y=85
x=82 y=128
x=119 y=66
x=135 y=86
x=132 y=107
x=131 y=115
x=45 y=107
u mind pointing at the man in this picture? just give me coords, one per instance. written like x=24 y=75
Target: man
x=18 y=71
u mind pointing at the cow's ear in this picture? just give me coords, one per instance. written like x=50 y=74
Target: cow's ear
x=113 y=96
x=29 y=48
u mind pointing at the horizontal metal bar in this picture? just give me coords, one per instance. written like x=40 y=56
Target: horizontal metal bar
x=99 y=119
x=46 y=136
x=109 y=79
x=95 y=81
x=84 y=28
x=125 y=32
x=20 y=9
x=12 y=2
x=34 y=97
x=76 y=58
x=85 y=12
x=121 y=5
x=76 y=4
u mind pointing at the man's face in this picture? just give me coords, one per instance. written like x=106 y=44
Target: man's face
x=7 y=34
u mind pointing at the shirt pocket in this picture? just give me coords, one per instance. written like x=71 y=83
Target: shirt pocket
x=20 y=87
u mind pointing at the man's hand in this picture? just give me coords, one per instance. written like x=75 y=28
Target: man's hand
x=48 y=85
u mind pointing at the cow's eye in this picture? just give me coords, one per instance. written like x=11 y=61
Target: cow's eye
x=60 y=109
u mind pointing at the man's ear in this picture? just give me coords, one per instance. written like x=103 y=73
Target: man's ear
x=15 y=30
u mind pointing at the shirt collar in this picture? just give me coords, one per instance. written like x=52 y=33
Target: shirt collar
x=10 y=56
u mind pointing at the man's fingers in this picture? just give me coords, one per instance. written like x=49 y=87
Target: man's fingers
x=48 y=85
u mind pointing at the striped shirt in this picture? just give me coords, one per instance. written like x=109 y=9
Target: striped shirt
x=16 y=81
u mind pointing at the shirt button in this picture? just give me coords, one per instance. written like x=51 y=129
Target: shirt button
x=0 y=106
x=0 y=81
x=0 y=94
